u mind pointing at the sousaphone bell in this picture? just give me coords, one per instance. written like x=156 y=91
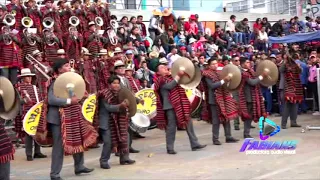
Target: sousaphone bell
x=235 y=76
x=272 y=69
x=69 y=84
x=126 y=94
x=9 y=100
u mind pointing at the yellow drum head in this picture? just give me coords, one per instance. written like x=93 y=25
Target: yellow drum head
x=89 y=108
x=150 y=102
x=32 y=118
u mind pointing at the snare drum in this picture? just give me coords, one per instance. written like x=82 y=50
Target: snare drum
x=195 y=98
x=139 y=123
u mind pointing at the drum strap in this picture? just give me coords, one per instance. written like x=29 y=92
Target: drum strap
x=36 y=92
x=135 y=84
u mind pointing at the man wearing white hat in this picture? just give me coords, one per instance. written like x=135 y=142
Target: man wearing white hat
x=86 y=71
x=61 y=53
x=30 y=95
x=93 y=40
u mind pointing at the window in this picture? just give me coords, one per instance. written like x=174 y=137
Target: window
x=258 y=4
x=240 y=6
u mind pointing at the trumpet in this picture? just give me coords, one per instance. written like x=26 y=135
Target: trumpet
x=36 y=64
x=98 y=21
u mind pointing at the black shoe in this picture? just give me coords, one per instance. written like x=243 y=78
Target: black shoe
x=58 y=178
x=231 y=140
x=29 y=158
x=236 y=128
x=199 y=147
x=216 y=142
x=39 y=155
x=117 y=154
x=247 y=136
x=252 y=127
x=105 y=166
x=131 y=150
x=127 y=162
x=171 y=152
x=180 y=129
x=85 y=170
x=295 y=125
x=94 y=146
x=283 y=127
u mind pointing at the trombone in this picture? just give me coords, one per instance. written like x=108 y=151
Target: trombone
x=36 y=63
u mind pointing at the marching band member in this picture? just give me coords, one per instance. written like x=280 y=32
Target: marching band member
x=220 y=107
x=92 y=40
x=119 y=70
x=10 y=54
x=102 y=69
x=51 y=10
x=235 y=94
x=73 y=43
x=41 y=79
x=66 y=140
x=34 y=13
x=30 y=43
x=85 y=69
x=292 y=93
x=6 y=152
x=15 y=8
x=65 y=13
x=29 y=94
x=90 y=10
x=111 y=113
x=134 y=83
x=173 y=108
x=251 y=104
x=52 y=44
x=103 y=12
x=81 y=14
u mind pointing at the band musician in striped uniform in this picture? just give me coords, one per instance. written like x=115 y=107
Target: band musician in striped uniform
x=173 y=108
x=219 y=107
x=31 y=96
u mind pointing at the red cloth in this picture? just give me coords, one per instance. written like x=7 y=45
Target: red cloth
x=293 y=91
x=83 y=26
x=118 y=122
x=257 y=99
x=143 y=29
x=226 y=105
x=6 y=147
x=257 y=27
x=73 y=46
x=19 y=15
x=169 y=22
x=10 y=55
x=178 y=100
x=192 y=28
x=134 y=83
x=35 y=16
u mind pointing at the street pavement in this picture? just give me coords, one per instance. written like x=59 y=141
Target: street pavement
x=213 y=162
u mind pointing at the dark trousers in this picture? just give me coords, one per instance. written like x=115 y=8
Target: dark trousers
x=172 y=129
x=289 y=109
x=268 y=98
x=5 y=171
x=10 y=73
x=216 y=124
x=314 y=88
x=303 y=105
x=58 y=153
x=236 y=122
x=29 y=145
x=247 y=122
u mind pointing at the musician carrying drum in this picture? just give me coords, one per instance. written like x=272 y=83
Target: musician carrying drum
x=31 y=96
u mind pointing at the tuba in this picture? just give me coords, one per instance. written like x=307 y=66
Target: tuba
x=9 y=20
x=114 y=24
x=98 y=21
x=48 y=22
x=112 y=36
x=74 y=21
x=27 y=22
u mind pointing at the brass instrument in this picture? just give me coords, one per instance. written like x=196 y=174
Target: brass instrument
x=114 y=24
x=9 y=20
x=36 y=65
x=74 y=21
x=7 y=40
x=48 y=35
x=72 y=63
x=27 y=22
x=112 y=36
x=98 y=21
x=13 y=12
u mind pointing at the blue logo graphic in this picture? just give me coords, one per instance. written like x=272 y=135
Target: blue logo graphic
x=267 y=128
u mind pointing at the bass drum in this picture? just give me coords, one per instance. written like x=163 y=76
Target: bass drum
x=195 y=98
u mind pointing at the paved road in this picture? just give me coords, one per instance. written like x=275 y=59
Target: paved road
x=213 y=162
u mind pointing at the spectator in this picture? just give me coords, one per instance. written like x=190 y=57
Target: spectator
x=313 y=81
x=242 y=29
x=191 y=27
x=154 y=26
x=277 y=28
x=265 y=23
x=200 y=26
x=263 y=40
x=232 y=29
x=304 y=80
x=141 y=26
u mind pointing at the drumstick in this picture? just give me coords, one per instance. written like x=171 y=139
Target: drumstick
x=27 y=95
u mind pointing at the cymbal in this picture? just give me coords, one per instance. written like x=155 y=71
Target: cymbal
x=14 y=111
x=125 y=93
x=273 y=72
x=7 y=93
x=72 y=81
x=185 y=65
x=195 y=81
x=234 y=72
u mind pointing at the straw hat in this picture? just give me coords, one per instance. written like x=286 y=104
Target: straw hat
x=192 y=40
x=61 y=52
x=26 y=72
x=91 y=23
x=157 y=12
x=35 y=53
x=118 y=63
x=85 y=51
x=103 y=52
x=153 y=54
x=167 y=12
x=117 y=50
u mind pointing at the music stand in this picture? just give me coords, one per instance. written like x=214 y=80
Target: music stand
x=318 y=85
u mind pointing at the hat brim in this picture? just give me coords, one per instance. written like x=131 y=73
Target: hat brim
x=103 y=53
x=167 y=13
x=117 y=52
x=26 y=75
x=88 y=54
x=157 y=13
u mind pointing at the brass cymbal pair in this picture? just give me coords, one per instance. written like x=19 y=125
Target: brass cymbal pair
x=9 y=100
